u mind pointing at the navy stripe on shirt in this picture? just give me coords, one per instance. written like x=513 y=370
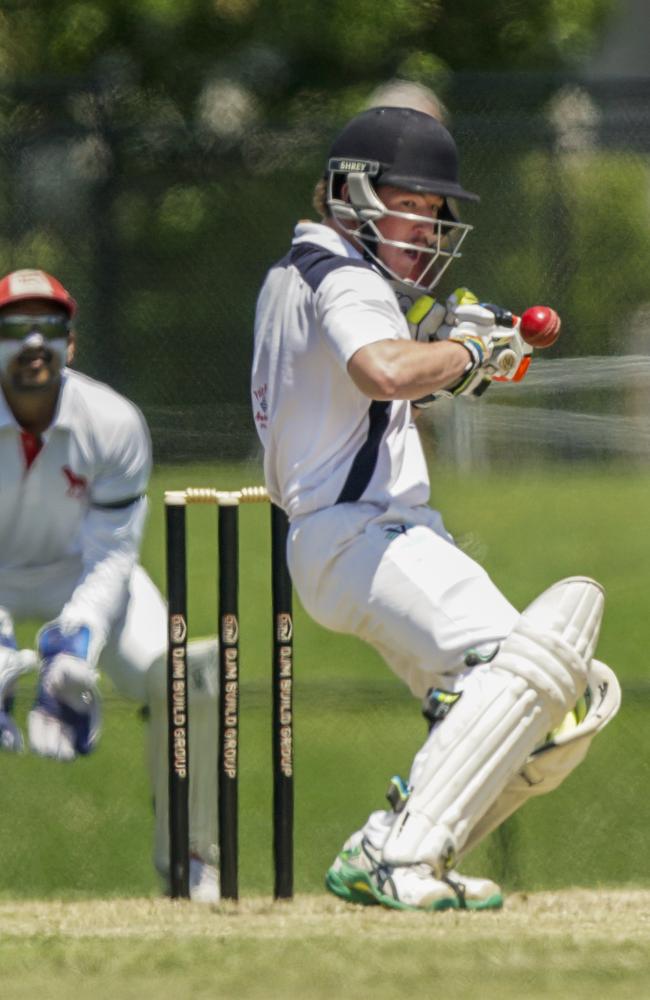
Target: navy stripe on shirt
x=365 y=460
x=314 y=262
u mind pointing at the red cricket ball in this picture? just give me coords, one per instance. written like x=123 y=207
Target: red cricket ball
x=540 y=326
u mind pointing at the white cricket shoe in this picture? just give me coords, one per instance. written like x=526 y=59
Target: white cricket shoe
x=204 y=882
x=358 y=875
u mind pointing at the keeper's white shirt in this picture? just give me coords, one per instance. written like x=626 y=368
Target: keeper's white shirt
x=78 y=511
x=325 y=442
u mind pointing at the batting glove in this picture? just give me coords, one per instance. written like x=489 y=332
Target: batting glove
x=14 y=663
x=429 y=320
x=488 y=333
x=502 y=346
x=424 y=318
x=65 y=718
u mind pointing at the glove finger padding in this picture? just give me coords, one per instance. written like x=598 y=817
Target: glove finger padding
x=57 y=730
x=479 y=317
x=65 y=718
x=51 y=737
x=71 y=681
x=424 y=318
x=430 y=320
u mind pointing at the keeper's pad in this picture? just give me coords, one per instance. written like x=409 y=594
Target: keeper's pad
x=559 y=755
x=203 y=676
x=506 y=709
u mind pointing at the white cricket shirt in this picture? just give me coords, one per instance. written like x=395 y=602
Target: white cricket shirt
x=325 y=442
x=81 y=499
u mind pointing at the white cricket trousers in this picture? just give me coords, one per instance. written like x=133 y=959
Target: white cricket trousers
x=396 y=579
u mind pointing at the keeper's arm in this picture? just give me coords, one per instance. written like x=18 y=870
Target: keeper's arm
x=111 y=533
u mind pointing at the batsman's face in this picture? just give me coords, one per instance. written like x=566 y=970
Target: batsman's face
x=412 y=226
x=34 y=344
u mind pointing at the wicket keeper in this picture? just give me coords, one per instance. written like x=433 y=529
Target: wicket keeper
x=75 y=458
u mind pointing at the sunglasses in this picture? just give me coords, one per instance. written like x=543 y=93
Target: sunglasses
x=50 y=327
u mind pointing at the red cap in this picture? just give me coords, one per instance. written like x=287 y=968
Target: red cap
x=28 y=284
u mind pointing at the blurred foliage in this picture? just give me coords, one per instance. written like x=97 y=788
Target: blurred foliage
x=545 y=35
x=282 y=52
x=154 y=154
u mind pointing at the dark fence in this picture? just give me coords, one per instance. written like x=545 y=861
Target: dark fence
x=164 y=228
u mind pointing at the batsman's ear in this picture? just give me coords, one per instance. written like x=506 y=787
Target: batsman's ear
x=72 y=346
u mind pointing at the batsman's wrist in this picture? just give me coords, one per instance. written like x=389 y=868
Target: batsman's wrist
x=476 y=349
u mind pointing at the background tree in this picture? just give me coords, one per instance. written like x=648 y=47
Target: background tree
x=154 y=154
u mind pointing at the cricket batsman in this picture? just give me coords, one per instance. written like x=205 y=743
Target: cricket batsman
x=75 y=459
x=512 y=699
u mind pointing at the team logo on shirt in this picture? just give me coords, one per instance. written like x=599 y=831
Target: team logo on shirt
x=77 y=485
x=261 y=406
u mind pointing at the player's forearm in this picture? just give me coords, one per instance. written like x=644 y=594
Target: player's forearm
x=398 y=369
x=110 y=551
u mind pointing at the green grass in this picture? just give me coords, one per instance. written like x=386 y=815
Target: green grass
x=572 y=945
x=84 y=830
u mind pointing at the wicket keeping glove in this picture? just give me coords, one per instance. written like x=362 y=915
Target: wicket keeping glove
x=13 y=663
x=65 y=718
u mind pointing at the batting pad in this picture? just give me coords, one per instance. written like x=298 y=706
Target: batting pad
x=548 y=765
x=506 y=709
x=202 y=662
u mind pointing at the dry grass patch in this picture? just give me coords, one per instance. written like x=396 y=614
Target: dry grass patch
x=613 y=914
x=575 y=944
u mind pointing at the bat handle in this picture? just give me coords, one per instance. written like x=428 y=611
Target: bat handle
x=502 y=317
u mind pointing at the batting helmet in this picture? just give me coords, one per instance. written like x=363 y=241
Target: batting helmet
x=32 y=284
x=402 y=147
x=406 y=149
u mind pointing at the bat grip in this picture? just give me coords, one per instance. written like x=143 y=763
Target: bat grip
x=502 y=317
